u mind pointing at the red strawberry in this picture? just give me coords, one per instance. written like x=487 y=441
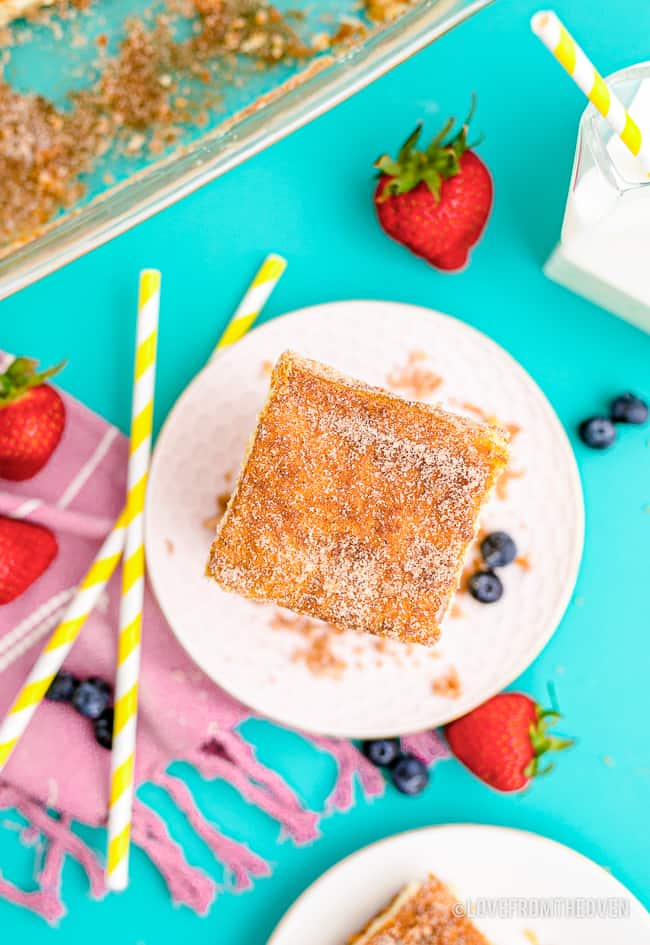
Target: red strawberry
x=32 y=418
x=435 y=201
x=26 y=551
x=502 y=741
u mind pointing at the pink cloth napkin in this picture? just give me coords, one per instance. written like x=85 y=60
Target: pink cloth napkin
x=183 y=715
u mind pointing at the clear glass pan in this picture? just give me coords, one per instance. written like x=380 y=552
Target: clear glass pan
x=293 y=102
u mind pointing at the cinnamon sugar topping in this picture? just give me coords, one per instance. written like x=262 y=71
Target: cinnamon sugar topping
x=355 y=506
x=429 y=916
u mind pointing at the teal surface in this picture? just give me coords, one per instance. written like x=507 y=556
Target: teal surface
x=309 y=198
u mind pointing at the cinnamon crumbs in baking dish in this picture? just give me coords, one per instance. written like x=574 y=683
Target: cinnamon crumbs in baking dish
x=135 y=102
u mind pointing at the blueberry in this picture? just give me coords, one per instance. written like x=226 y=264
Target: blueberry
x=597 y=432
x=628 y=409
x=485 y=586
x=382 y=751
x=410 y=775
x=104 y=729
x=91 y=697
x=62 y=687
x=498 y=550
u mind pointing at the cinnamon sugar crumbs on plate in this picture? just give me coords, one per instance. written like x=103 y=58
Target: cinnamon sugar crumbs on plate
x=316 y=651
x=523 y=561
x=501 y=489
x=490 y=418
x=414 y=379
x=169 y=546
x=447 y=685
x=221 y=503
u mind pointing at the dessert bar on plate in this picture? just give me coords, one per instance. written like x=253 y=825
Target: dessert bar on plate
x=355 y=506
x=421 y=914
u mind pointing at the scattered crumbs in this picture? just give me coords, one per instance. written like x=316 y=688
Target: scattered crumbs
x=524 y=562
x=130 y=103
x=608 y=761
x=447 y=685
x=414 y=379
x=383 y=11
x=266 y=368
x=108 y=178
x=316 y=651
x=490 y=418
x=455 y=611
x=319 y=657
x=501 y=488
x=169 y=545
x=434 y=653
x=531 y=936
x=212 y=521
x=473 y=562
x=228 y=477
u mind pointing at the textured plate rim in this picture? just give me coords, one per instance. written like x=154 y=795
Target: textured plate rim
x=436 y=829
x=527 y=657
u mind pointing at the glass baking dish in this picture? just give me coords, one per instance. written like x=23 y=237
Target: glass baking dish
x=255 y=108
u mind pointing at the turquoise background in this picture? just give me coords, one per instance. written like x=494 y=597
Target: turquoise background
x=309 y=198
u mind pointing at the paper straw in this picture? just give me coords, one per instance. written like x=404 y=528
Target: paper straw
x=254 y=300
x=60 y=643
x=91 y=587
x=128 y=655
x=571 y=57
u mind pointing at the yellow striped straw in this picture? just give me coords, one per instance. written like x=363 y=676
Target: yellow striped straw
x=128 y=654
x=60 y=643
x=559 y=41
x=91 y=587
x=254 y=300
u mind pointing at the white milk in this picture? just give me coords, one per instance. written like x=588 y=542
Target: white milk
x=604 y=252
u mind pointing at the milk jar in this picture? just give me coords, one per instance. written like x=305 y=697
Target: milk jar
x=604 y=250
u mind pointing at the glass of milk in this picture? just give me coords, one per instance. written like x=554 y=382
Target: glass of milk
x=604 y=250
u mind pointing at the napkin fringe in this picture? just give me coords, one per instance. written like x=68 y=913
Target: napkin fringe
x=227 y=756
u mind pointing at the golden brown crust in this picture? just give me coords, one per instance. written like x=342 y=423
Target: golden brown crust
x=354 y=505
x=430 y=916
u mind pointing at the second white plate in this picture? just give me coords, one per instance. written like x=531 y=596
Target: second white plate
x=518 y=887
x=354 y=685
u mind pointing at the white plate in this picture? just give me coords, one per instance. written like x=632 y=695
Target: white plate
x=507 y=878
x=386 y=690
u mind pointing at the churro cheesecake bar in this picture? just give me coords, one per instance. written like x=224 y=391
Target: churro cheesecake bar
x=355 y=506
x=421 y=914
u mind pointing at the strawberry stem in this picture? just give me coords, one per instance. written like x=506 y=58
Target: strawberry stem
x=543 y=742
x=21 y=376
x=439 y=161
